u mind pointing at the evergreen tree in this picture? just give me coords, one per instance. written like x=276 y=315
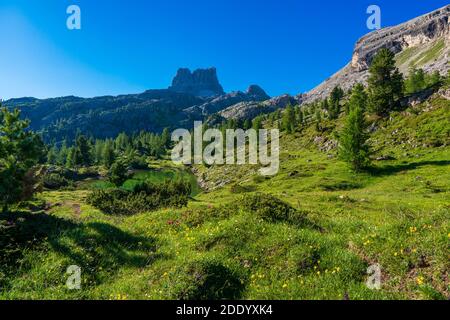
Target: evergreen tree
x=247 y=124
x=98 y=152
x=288 y=120
x=325 y=106
x=257 y=123
x=62 y=155
x=433 y=79
x=415 y=81
x=108 y=155
x=385 y=83
x=20 y=151
x=52 y=155
x=71 y=161
x=335 y=102
x=118 y=173
x=358 y=98
x=300 y=117
x=166 y=138
x=353 y=147
x=318 y=116
x=83 y=155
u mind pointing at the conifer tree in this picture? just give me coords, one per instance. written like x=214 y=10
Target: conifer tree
x=385 y=83
x=353 y=147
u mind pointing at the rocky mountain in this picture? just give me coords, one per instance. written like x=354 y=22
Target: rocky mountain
x=250 y=110
x=192 y=96
x=253 y=94
x=200 y=83
x=422 y=42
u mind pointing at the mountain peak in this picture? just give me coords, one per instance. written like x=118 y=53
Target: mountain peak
x=201 y=82
x=423 y=42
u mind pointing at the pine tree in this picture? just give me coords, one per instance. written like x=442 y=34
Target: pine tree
x=300 y=117
x=415 y=81
x=433 y=79
x=385 y=83
x=318 y=117
x=288 y=120
x=20 y=151
x=166 y=138
x=83 y=153
x=358 y=98
x=52 y=155
x=257 y=123
x=335 y=103
x=247 y=124
x=71 y=161
x=353 y=147
x=62 y=155
x=118 y=173
x=108 y=155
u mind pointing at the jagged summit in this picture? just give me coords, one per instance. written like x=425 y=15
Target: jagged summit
x=200 y=83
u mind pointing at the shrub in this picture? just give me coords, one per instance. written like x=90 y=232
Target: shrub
x=145 y=197
x=55 y=181
x=209 y=279
x=237 y=188
x=272 y=209
x=118 y=173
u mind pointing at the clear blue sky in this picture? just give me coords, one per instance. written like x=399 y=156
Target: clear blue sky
x=286 y=46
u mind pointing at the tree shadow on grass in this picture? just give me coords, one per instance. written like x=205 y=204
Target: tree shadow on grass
x=91 y=246
x=393 y=169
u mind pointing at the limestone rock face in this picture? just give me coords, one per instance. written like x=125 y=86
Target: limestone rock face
x=257 y=92
x=253 y=94
x=200 y=83
x=423 y=42
x=249 y=110
x=417 y=32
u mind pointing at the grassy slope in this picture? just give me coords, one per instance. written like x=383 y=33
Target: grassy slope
x=397 y=216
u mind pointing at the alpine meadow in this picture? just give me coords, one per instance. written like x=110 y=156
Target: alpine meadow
x=94 y=207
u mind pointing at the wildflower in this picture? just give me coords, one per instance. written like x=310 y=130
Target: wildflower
x=285 y=286
x=420 y=280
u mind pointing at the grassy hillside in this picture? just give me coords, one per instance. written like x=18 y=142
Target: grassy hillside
x=308 y=233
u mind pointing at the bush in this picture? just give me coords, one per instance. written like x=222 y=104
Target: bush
x=118 y=173
x=209 y=279
x=145 y=197
x=272 y=209
x=55 y=181
x=237 y=188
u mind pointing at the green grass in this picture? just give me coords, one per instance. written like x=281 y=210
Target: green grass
x=404 y=56
x=429 y=55
x=155 y=176
x=222 y=246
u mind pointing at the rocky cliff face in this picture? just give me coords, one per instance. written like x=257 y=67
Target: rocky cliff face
x=422 y=42
x=200 y=83
x=253 y=94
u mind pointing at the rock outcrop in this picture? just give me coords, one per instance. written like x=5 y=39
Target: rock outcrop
x=250 y=110
x=422 y=42
x=253 y=94
x=200 y=83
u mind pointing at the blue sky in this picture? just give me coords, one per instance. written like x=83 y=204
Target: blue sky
x=285 y=46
